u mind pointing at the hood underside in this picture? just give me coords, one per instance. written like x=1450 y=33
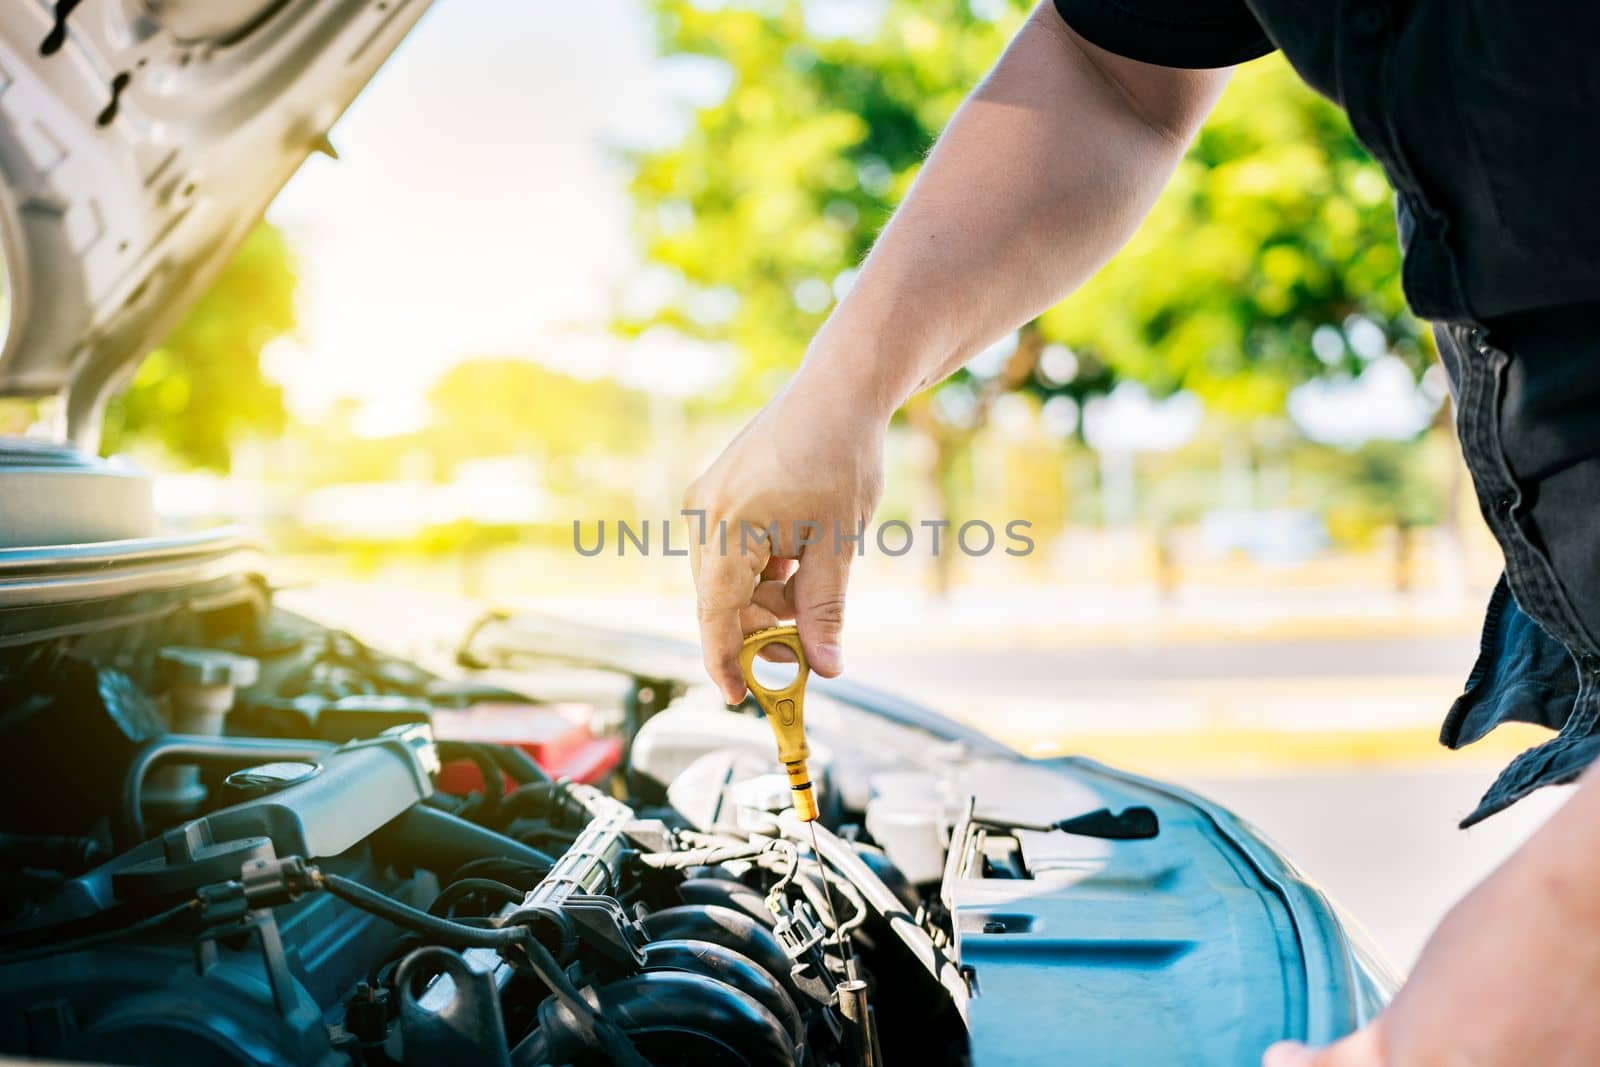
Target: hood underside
x=140 y=141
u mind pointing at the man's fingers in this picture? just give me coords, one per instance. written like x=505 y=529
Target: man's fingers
x=725 y=583
x=818 y=590
x=779 y=569
x=1364 y=1048
x=770 y=605
x=753 y=617
x=775 y=598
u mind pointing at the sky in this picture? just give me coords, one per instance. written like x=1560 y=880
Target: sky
x=478 y=205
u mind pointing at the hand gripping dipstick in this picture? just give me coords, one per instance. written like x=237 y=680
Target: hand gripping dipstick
x=785 y=710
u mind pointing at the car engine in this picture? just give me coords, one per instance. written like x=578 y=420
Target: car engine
x=232 y=836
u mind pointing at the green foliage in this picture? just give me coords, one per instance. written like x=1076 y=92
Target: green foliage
x=1277 y=222
x=574 y=436
x=1378 y=485
x=498 y=407
x=783 y=184
x=202 y=389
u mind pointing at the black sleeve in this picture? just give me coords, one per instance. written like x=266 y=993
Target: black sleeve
x=1170 y=33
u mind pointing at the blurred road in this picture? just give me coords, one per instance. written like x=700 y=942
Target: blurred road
x=1041 y=698
x=1145 y=660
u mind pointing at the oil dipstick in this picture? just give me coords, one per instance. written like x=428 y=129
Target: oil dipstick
x=785 y=710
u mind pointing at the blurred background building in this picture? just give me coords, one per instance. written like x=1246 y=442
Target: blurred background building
x=568 y=249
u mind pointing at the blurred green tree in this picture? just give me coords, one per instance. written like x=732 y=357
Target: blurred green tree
x=1381 y=487
x=1270 y=259
x=202 y=389
x=506 y=406
x=776 y=191
x=490 y=407
x=1276 y=224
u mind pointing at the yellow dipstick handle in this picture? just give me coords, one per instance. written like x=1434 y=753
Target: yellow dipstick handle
x=785 y=710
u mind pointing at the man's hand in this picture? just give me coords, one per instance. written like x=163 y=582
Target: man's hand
x=806 y=471
x=1044 y=172
x=1511 y=975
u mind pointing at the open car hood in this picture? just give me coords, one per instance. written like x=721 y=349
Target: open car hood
x=140 y=141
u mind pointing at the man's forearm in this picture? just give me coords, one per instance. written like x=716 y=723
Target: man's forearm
x=1041 y=176
x=1043 y=173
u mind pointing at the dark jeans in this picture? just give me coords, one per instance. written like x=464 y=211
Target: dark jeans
x=1527 y=395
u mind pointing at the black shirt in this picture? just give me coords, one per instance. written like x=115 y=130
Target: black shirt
x=1484 y=113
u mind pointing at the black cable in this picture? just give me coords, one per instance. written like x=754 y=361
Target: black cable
x=57 y=948
x=447 y=931
x=502 y=869
x=494 y=784
x=519 y=765
x=468 y=887
x=534 y=798
x=613 y=1042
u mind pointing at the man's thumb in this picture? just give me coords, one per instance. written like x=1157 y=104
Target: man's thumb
x=819 y=588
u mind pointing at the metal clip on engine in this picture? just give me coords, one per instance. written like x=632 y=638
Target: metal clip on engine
x=785 y=710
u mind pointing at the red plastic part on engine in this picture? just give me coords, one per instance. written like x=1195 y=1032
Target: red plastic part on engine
x=557 y=736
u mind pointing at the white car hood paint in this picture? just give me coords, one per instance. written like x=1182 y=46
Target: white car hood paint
x=140 y=141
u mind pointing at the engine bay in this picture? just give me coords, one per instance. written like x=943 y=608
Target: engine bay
x=231 y=834
x=238 y=837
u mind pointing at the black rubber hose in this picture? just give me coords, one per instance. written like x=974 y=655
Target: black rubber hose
x=220 y=752
x=519 y=765
x=612 y=1041
x=450 y=932
x=494 y=784
x=532 y=799
x=534 y=1051
x=727 y=893
x=445 y=931
x=456 y=891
